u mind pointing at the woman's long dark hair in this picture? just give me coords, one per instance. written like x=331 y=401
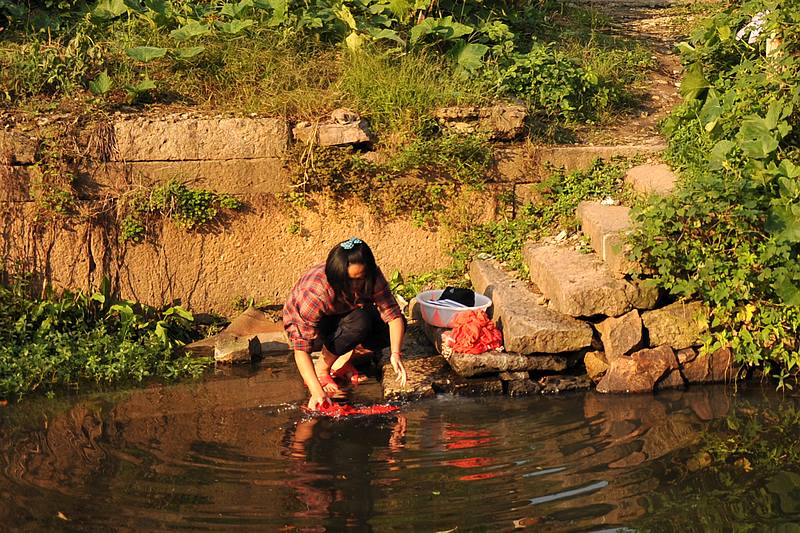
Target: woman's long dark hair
x=336 y=265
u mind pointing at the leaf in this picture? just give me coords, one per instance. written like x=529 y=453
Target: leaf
x=146 y=53
x=344 y=14
x=784 y=222
x=101 y=84
x=787 y=291
x=144 y=85
x=193 y=29
x=354 y=41
x=235 y=26
x=694 y=82
x=470 y=56
x=387 y=34
x=109 y=9
x=279 y=9
x=234 y=10
x=421 y=30
x=756 y=138
x=188 y=53
x=719 y=154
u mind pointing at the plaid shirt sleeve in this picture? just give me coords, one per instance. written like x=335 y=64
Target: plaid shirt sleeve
x=384 y=300
x=310 y=298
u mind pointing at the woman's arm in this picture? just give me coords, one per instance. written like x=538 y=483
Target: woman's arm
x=306 y=367
x=397 y=330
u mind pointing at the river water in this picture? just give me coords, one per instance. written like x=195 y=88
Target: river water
x=235 y=452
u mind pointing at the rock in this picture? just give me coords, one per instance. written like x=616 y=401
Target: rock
x=523 y=387
x=714 y=367
x=500 y=121
x=253 y=322
x=15 y=183
x=596 y=365
x=201 y=348
x=472 y=387
x=527 y=326
x=577 y=284
x=622 y=335
x=607 y=227
x=673 y=379
x=344 y=116
x=332 y=134
x=513 y=376
x=679 y=325
x=468 y=365
x=173 y=138
x=559 y=384
x=422 y=373
x=642 y=293
x=232 y=349
x=638 y=372
x=652 y=179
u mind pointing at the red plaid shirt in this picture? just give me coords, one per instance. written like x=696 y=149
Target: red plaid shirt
x=312 y=298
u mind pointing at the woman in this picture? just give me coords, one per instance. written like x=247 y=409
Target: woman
x=336 y=307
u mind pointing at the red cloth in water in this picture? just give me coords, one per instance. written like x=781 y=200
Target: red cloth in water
x=337 y=409
x=473 y=333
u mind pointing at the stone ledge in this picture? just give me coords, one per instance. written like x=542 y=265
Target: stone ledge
x=527 y=326
x=606 y=226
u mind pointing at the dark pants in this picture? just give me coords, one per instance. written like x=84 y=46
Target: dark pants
x=364 y=326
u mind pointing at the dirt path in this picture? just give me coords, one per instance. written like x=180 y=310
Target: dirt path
x=659 y=29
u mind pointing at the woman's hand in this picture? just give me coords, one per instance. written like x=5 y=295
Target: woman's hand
x=398 y=367
x=318 y=402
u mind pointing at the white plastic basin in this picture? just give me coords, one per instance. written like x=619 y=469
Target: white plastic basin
x=442 y=316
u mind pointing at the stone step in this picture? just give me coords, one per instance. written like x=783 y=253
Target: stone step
x=579 y=284
x=607 y=226
x=528 y=327
x=652 y=179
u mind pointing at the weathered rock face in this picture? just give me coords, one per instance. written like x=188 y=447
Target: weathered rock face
x=468 y=365
x=523 y=387
x=651 y=179
x=678 y=325
x=255 y=323
x=527 y=326
x=577 y=284
x=559 y=384
x=714 y=367
x=639 y=372
x=621 y=335
x=174 y=138
x=500 y=122
x=231 y=349
x=596 y=365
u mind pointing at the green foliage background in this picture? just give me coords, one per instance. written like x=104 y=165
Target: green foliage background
x=731 y=234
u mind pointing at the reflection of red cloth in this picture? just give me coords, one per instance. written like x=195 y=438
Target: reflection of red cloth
x=473 y=333
x=337 y=409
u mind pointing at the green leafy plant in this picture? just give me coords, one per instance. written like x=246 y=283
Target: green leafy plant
x=730 y=234
x=67 y=340
x=189 y=208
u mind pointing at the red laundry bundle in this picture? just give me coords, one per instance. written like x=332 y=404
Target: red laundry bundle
x=339 y=410
x=473 y=333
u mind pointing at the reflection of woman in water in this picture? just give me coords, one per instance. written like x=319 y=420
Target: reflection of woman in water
x=333 y=460
x=337 y=307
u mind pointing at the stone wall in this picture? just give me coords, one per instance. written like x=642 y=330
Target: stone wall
x=252 y=254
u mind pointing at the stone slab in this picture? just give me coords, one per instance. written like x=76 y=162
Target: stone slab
x=559 y=384
x=500 y=122
x=233 y=349
x=174 y=138
x=577 y=284
x=533 y=163
x=527 y=326
x=468 y=365
x=606 y=226
x=652 y=179
x=523 y=387
x=332 y=134
x=678 y=325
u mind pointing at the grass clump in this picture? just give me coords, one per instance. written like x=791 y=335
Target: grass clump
x=67 y=340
